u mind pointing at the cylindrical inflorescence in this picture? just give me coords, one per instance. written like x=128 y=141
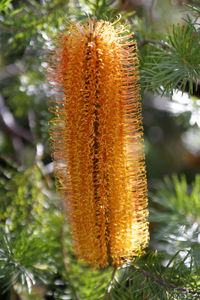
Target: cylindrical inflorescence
x=97 y=142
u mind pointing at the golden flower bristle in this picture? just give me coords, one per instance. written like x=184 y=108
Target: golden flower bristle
x=97 y=142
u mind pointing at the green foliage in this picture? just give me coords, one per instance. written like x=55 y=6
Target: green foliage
x=176 y=63
x=150 y=278
x=174 y=272
x=26 y=218
x=34 y=241
x=175 y=195
x=21 y=258
x=176 y=211
x=173 y=62
x=194 y=9
x=35 y=246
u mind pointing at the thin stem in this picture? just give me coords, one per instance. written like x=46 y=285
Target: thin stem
x=147 y=41
x=151 y=12
x=111 y=283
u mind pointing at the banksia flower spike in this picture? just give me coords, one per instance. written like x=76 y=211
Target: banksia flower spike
x=97 y=142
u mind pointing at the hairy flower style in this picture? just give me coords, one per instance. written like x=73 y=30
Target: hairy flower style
x=97 y=142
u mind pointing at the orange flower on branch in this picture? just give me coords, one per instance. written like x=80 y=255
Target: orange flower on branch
x=97 y=142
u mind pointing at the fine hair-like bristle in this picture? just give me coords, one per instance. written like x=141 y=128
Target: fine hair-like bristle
x=97 y=142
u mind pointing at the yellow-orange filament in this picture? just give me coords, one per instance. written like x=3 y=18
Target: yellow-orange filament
x=97 y=142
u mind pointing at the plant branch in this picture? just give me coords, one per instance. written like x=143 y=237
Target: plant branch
x=166 y=284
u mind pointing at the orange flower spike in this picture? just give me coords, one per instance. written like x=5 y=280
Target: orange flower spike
x=97 y=142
